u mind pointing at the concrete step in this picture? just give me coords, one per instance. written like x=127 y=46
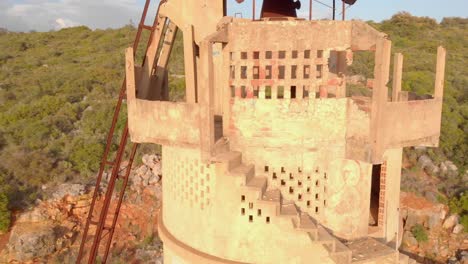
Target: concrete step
x=231 y=159
x=326 y=239
x=342 y=254
x=257 y=182
x=306 y=223
x=403 y=259
x=289 y=210
x=244 y=172
x=370 y=250
x=272 y=195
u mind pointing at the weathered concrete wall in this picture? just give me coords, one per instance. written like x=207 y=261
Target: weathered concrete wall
x=412 y=123
x=347 y=211
x=303 y=144
x=393 y=160
x=358 y=145
x=164 y=122
x=288 y=131
x=201 y=197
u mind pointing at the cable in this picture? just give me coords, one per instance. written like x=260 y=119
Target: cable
x=322 y=3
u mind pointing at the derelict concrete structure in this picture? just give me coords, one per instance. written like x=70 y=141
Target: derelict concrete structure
x=269 y=159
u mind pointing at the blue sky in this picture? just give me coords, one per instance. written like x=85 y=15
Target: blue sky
x=44 y=15
x=376 y=10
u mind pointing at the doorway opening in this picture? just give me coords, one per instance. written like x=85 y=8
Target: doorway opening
x=375 y=195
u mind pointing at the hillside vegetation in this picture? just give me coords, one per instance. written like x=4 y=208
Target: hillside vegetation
x=58 y=90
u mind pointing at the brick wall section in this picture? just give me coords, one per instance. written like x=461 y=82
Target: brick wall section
x=383 y=175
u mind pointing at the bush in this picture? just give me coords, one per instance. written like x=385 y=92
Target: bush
x=459 y=205
x=464 y=222
x=419 y=232
x=5 y=215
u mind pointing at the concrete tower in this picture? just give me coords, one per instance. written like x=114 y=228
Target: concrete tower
x=270 y=159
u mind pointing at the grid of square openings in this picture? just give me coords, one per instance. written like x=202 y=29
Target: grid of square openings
x=276 y=74
x=308 y=189
x=190 y=181
x=251 y=212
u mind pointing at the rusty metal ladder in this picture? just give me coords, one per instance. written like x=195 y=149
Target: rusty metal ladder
x=100 y=223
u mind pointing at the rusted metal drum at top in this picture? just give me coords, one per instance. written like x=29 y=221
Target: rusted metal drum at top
x=284 y=8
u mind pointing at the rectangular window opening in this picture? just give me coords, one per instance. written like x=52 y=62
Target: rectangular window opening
x=233 y=71
x=319 y=72
x=306 y=72
x=293 y=71
x=256 y=55
x=282 y=54
x=233 y=91
x=255 y=92
x=293 y=92
x=268 y=92
x=319 y=54
x=243 y=55
x=375 y=195
x=281 y=72
x=268 y=73
x=280 y=92
x=243 y=72
x=294 y=54
x=243 y=91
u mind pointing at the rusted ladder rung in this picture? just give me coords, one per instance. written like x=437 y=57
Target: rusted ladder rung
x=150 y=28
x=110 y=163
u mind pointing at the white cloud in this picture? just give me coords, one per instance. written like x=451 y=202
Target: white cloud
x=64 y=23
x=44 y=15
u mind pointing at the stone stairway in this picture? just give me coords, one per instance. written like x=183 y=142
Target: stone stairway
x=255 y=188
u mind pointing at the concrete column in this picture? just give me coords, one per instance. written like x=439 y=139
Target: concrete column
x=440 y=73
x=397 y=76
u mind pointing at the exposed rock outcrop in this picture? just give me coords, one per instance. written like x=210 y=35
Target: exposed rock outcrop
x=445 y=237
x=51 y=231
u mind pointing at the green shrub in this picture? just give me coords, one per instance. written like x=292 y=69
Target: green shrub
x=5 y=215
x=459 y=204
x=464 y=222
x=419 y=232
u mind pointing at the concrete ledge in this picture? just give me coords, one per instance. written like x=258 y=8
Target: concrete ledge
x=186 y=252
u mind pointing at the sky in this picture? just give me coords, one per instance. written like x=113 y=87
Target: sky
x=45 y=15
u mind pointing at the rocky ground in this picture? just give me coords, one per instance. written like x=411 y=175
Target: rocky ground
x=51 y=231
x=446 y=241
